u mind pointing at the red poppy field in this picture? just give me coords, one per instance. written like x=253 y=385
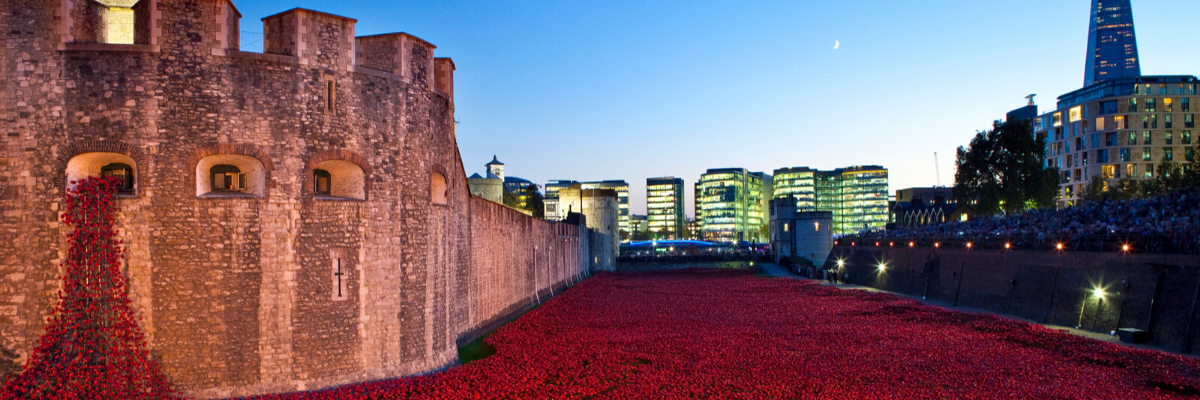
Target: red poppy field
x=732 y=335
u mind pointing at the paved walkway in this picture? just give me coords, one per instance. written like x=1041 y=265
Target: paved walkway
x=781 y=272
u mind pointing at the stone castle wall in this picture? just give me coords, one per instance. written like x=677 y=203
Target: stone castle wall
x=517 y=260
x=277 y=289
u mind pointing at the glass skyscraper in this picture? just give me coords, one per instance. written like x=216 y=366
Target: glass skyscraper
x=798 y=183
x=857 y=196
x=664 y=207
x=733 y=204
x=1112 y=46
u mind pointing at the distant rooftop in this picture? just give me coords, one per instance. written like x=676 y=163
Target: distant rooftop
x=1127 y=87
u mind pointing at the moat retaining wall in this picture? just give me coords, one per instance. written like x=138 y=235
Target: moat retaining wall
x=1155 y=292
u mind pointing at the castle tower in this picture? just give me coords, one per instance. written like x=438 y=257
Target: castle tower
x=495 y=169
x=1112 y=45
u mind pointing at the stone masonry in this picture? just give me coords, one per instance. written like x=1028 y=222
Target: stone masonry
x=275 y=286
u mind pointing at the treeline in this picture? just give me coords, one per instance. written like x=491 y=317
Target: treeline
x=1168 y=177
x=1003 y=170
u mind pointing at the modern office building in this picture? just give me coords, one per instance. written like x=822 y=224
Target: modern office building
x=733 y=203
x=862 y=198
x=622 y=189
x=639 y=223
x=1112 y=44
x=856 y=196
x=1119 y=128
x=798 y=183
x=692 y=226
x=553 y=187
x=664 y=207
x=518 y=187
x=1119 y=124
x=697 y=211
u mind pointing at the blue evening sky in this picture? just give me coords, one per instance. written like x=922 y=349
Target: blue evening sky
x=633 y=89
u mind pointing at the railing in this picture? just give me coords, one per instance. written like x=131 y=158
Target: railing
x=1114 y=243
x=251 y=41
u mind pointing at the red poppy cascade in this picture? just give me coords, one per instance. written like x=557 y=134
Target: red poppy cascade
x=92 y=347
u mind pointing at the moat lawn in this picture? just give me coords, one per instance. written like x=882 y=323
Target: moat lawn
x=731 y=335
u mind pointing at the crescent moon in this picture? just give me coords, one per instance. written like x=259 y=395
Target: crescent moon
x=836 y=44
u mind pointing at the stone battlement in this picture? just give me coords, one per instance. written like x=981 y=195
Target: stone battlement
x=302 y=36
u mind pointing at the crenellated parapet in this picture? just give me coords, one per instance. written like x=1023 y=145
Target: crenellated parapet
x=316 y=39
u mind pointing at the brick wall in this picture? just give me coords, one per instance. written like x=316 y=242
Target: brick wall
x=239 y=294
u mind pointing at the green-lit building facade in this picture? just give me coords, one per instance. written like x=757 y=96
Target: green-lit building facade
x=732 y=204
x=664 y=207
x=797 y=182
x=857 y=196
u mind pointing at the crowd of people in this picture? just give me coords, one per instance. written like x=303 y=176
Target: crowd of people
x=1173 y=218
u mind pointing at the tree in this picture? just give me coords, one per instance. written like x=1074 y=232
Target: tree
x=660 y=234
x=534 y=202
x=1126 y=188
x=511 y=199
x=1003 y=170
x=1096 y=190
x=641 y=235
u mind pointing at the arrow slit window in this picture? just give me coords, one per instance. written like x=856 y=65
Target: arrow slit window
x=340 y=272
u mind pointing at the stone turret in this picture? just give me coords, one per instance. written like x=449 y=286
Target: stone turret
x=401 y=54
x=495 y=169
x=317 y=39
